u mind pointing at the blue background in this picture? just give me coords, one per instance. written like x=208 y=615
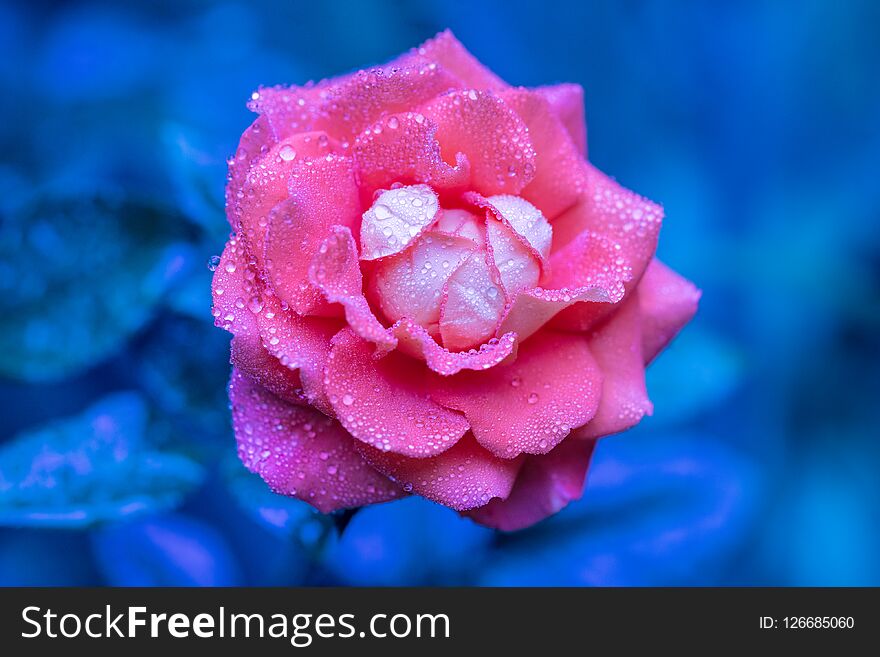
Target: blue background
x=756 y=125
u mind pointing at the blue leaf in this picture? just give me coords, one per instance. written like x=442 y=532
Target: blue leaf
x=184 y=366
x=198 y=175
x=90 y=468
x=409 y=542
x=165 y=551
x=655 y=512
x=80 y=275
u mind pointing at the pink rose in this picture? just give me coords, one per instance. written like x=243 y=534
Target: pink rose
x=432 y=292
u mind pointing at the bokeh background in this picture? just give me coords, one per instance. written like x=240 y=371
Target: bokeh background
x=756 y=124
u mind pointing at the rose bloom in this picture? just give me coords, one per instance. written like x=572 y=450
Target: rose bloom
x=433 y=292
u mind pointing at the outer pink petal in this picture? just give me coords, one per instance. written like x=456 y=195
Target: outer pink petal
x=617 y=347
x=300 y=452
x=255 y=140
x=404 y=149
x=323 y=193
x=417 y=342
x=234 y=291
x=667 y=302
x=617 y=213
x=266 y=183
x=249 y=356
x=559 y=177
x=346 y=105
x=463 y=477
x=384 y=403
x=490 y=134
x=335 y=270
x=447 y=51
x=567 y=102
x=299 y=343
x=530 y=405
x=588 y=272
x=545 y=486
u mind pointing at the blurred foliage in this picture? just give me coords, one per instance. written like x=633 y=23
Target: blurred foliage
x=756 y=125
x=90 y=469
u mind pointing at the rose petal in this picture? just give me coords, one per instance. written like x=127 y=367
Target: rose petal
x=300 y=452
x=417 y=342
x=525 y=220
x=235 y=291
x=404 y=149
x=346 y=105
x=335 y=270
x=530 y=405
x=323 y=193
x=567 y=102
x=463 y=223
x=545 y=486
x=249 y=356
x=617 y=347
x=559 y=176
x=667 y=302
x=253 y=144
x=410 y=284
x=589 y=272
x=396 y=219
x=463 y=477
x=622 y=216
x=299 y=343
x=384 y=403
x=472 y=306
x=518 y=268
x=492 y=137
x=448 y=52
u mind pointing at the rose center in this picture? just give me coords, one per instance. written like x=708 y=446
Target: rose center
x=452 y=270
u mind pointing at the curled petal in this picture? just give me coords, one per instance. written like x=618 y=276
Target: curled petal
x=530 y=405
x=417 y=342
x=518 y=268
x=545 y=485
x=667 y=302
x=404 y=149
x=463 y=477
x=346 y=105
x=384 y=402
x=411 y=283
x=249 y=356
x=622 y=216
x=587 y=273
x=265 y=185
x=559 y=177
x=396 y=219
x=299 y=343
x=235 y=291
x=567 y=102
x=447 y=51
x=472 y=305
x=300 y=452
x=335 y=270
x=617 y=347
x=491 y=136
x=255 y=140
x=323 y=193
